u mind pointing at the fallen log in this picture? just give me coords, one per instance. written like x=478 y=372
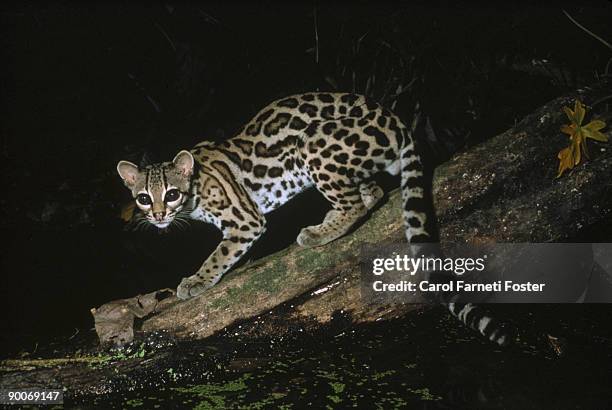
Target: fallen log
x=503 y=190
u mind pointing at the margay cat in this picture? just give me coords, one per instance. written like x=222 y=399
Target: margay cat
x=334 y=142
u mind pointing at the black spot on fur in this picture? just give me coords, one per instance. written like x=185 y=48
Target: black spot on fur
x=371 y=105
x=330 y=167
x=342 y=158
x=224 y=250
x=356 y=112
x=275 y=172
x=308 y=97
x=235 y=158
x=228 y=224
x=244 y=145
x=237 y=213
x=381 y=121
x=297 y=124
x=413 y=166
x=308 y=109
x=275 y=125
x=328 y=128
x=254 y=129
x=327 y=112
x=260 y=171
x=288 y=102
x=349 y=99
x=261 y=150
x=252 y=186
x=324 y=177
x=413 y=182
x=368 y=164
x=311 y=129
x=415 y=204
x=315 y=163
x=326 y=98
x=348 y=122
x=381 y=138
x=341 y=133
x=351 y=140
x=247 y=164
x=363 y=145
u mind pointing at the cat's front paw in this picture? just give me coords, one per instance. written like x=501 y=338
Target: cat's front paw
x=191 y=286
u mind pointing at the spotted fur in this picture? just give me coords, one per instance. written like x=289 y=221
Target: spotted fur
x=332 y=142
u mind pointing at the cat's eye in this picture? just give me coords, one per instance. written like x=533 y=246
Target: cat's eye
x=143 y=199
x=172 y=195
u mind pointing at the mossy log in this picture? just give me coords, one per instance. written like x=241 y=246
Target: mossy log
x=503 y=190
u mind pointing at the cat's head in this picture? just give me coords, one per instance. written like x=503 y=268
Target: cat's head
x=160 y=190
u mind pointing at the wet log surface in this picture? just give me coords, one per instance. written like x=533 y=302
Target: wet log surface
x=503 y=190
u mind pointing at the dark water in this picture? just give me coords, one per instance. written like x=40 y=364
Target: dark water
x=423 y=362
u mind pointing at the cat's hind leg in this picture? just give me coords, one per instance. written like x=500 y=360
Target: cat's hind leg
x=348 y=208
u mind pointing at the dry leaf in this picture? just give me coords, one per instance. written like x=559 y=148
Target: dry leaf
x=570 y=157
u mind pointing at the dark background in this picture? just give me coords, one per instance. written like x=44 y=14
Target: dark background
x=87 y=84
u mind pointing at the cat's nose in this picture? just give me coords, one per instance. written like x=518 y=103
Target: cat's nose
x=159 y=216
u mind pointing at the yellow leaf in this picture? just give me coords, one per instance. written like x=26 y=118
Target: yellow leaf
x=595 y=125
x=591 y=130
x=578 y=112
x=578 y=134
x=127 y=211
x=566 y=160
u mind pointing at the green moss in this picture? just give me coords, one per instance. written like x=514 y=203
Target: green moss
x=134 y=403
x=337 y=387
x=334 y=399
x=268 y=279
x=15 y=364
x=214 y=394
x=424 y=394
x=264 y=279
x=382 y=375
x=310 y=260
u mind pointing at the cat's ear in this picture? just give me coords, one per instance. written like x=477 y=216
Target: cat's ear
x=128 y=172
x=184 y=162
